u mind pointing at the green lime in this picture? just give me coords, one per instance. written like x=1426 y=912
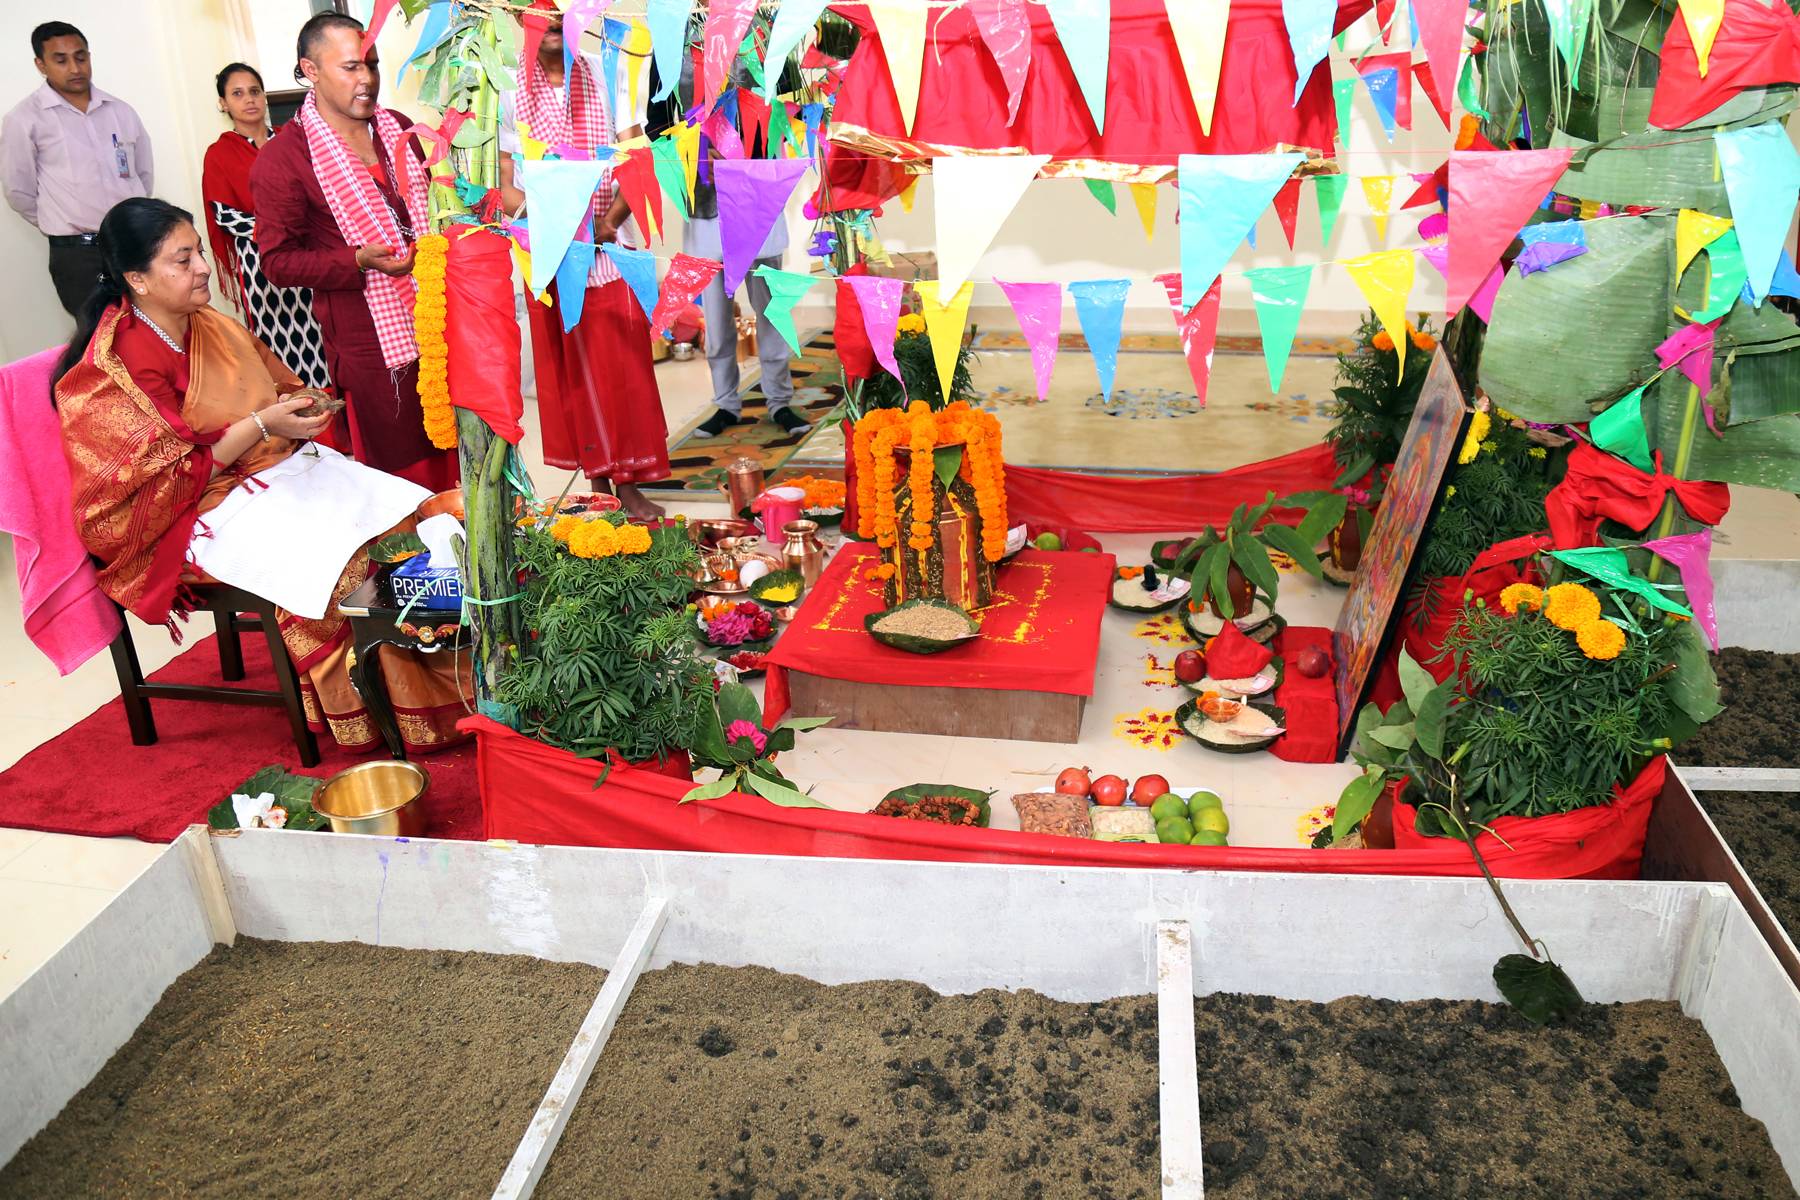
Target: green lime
x=1213 y=819
x=1047 y=541
x=1204 y=799
x=1168 y=806
x=1208 y=837
x=1174 y=831
x=1090 y=550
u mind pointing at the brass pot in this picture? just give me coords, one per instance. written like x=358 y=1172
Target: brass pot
x=380 y=798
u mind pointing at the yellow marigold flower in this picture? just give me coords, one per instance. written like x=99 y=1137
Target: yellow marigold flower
x=1489 y=446
x=1450 y=491
x=1538 y=452
x=1570 y=606
x=1601 y=639
x=1479 y=425
x=911 y=323
x=1504 y=415
x=634 y=539
x=1382 y=341
x=1516 y=595
x=564 y=527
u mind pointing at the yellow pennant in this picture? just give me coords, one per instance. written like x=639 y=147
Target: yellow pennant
x=1199 y=29
x=1378 y=190
x=909 y=193
x=1694 y=232
x=902 y=30
x=687 y=144
x=637 y=53
x=1144 y=196
x=944 y=325
x=1385 y=279
x=1703 y=19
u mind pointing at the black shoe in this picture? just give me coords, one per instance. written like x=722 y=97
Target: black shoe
x=790 y=421
x=718 y=423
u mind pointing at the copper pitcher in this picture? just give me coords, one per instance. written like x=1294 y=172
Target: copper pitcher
x=802 y=551
x=743 y=484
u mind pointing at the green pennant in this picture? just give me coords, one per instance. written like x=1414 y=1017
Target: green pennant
x=1726 y=276
x=1608 y=565
x=1280 y=295
x=1620 y=430
x=1102 y=190
x=1342 y=92
x=1467 y=92
x=785 y=290
x=1330 y=196
x=666 y=160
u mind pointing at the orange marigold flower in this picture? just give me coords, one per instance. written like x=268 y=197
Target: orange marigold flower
x=1600 y=639
x=1516 y=595
x=1423 y=340
x=1382 y=341
x=1570 y=606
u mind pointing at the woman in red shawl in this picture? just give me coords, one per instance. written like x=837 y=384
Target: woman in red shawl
x=281 y=317
x=190 y=459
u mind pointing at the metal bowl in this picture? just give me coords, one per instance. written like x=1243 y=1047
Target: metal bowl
x=375 y=797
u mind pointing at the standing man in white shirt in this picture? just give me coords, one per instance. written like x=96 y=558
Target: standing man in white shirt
x=68 y=153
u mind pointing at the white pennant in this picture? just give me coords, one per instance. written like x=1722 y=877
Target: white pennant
x=974 y=194
x=902 y=30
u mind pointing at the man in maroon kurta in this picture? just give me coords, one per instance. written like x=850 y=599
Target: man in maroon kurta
x=303 y=246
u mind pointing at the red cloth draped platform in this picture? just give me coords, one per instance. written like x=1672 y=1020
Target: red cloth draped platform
x=1042 y=634
x=537 y=794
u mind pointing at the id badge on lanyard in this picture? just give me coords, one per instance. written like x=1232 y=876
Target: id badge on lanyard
x=121 y=158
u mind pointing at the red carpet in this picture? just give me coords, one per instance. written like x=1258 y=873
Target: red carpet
x=91 y=780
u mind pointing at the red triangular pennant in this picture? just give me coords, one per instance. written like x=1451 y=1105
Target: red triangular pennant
x=1199 y=328
x=1429 y=186
x=1491 y=196
x=688 y=276
x=1428 y=85
x=1441 y=37
x=850 y=339
x=753 y=121
x=635 y=173
x=1756 y=46
x=1287 y=208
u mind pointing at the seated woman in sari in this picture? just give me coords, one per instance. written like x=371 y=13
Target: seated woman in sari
x=191 y=460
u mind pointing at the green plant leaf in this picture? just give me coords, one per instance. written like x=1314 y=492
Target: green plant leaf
x=1359 y=466
x=1356 y=802
x=914 y=792
x=712 y=791
x=605 y=772
x=1415 y=681
x=948 y=460
x=802 y=724
x=1252 y=558
x=222 y=815
x=1397 y=737
x=471 y=135
x=1322 y=518
x=1218 y=580
x=738 y=703
x=781 y=792
x=1433 y=713
x=1694 y=687
x=1538 y=988
x=1288 y=540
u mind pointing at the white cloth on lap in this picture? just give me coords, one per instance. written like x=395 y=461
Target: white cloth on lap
x=288 y=542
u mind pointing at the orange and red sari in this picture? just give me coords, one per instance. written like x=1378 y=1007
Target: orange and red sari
x=139 y=422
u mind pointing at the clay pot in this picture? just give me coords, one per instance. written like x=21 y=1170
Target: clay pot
x=1346 y=541
x=1237 y=584
x=1378 y=826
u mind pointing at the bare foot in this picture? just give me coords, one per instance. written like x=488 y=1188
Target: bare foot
x=637 y=504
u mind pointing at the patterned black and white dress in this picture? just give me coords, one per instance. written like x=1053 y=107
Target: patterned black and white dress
x=281 y=317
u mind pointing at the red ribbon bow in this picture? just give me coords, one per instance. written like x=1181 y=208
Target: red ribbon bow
x=1600 y=487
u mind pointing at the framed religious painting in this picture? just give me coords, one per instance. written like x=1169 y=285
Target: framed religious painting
x=1371 y=609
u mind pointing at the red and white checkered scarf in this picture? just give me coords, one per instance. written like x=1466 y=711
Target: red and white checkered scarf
x=363 y=216
x=584 y=123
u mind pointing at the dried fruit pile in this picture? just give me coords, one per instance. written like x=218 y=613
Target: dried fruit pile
x=947 y=810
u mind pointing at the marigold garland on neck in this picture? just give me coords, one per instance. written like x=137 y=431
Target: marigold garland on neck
x=881 y=433
x=434 y=352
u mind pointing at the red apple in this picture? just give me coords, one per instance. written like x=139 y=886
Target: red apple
x=1312 y=662
x=1148 y=788
x=1074 y=781
x=1109 y=790
x=1190 y=666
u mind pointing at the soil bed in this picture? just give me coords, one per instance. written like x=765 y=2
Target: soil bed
x=744 y=1082
x=1440 y=1098
x=318 y=1069
x=1763 y=830
x=1761 y=692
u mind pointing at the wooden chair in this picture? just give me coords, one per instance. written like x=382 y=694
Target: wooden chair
x=227 y=605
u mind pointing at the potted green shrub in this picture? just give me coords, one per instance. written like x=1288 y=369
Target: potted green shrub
x=1229 y=567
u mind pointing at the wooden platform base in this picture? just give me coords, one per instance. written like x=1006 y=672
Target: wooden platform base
x=960 y=712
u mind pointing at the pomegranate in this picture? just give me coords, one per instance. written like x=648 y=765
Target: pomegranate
x=1190 y=666
x=1074 y=781
x=1109 y=790
x=1312 y=662
x=1148 y=788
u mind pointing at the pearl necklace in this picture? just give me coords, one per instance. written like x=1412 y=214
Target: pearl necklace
x=168 y=341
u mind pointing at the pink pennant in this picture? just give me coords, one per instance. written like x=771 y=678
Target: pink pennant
x=1038 y=307
x=1439 y=257
x=576 y=19
x=687 y=278
x=879 y=298
x=1492 y=193
x=377 y=18
x=1692 y=555
x=726 y=23
x=1483 y=299
x=723 y=134
x=1199 y=328
x=1006 y=31
x=1441 y=25
x=1692 y=348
